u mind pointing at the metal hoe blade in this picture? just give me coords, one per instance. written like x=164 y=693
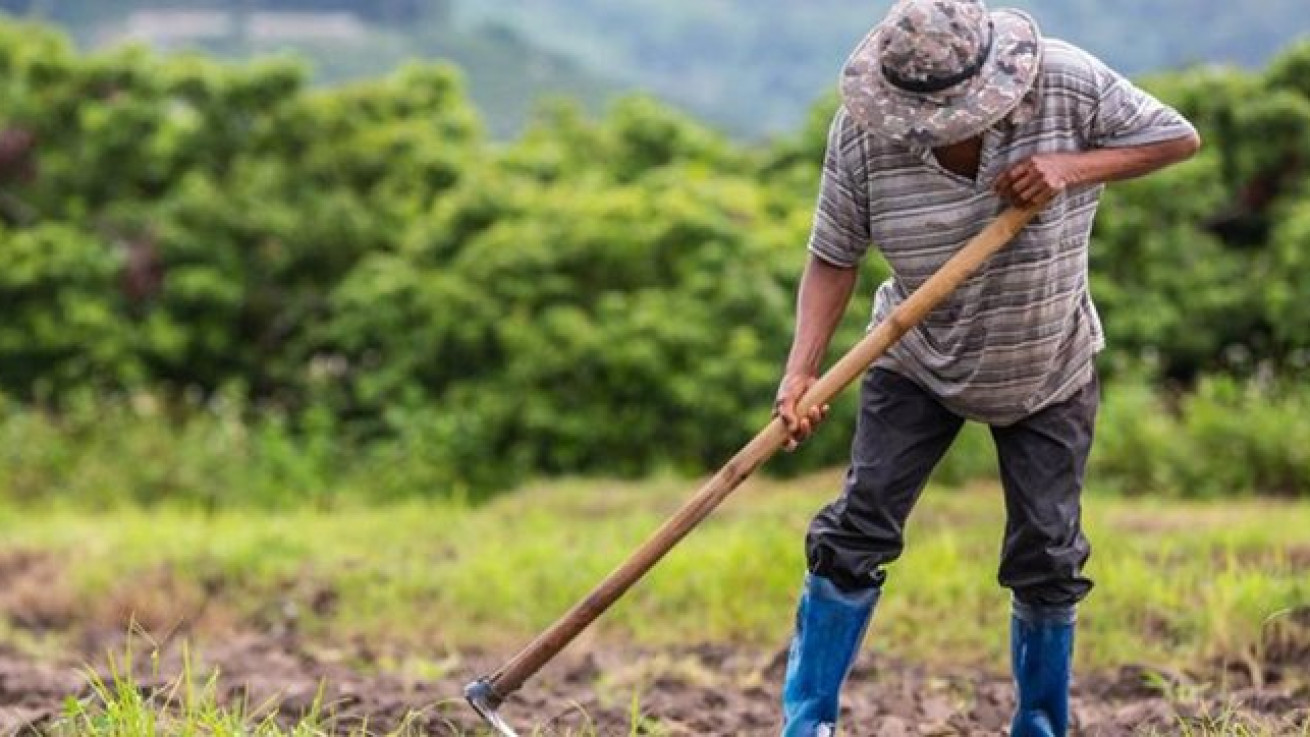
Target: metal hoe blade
x=482 y=696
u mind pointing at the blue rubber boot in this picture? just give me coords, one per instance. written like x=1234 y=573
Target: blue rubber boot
x=1041 y=652
x=830 y=625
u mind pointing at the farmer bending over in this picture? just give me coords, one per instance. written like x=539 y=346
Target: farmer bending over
x=950 y=113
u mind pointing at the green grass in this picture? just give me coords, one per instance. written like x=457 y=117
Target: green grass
x=122 y=709
x=189 y=707
x=1179 y=584
x=1225 y=724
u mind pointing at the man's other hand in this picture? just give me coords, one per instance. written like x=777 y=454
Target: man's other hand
x=1038 y=180
x=799 y=426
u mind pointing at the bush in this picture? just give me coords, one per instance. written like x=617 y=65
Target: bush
x=1228 y=438
x=357 y=268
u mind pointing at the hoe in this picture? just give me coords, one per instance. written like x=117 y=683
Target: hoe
x=487 y=694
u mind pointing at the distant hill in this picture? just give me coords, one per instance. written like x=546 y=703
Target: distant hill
x=755 y=65
x=507 y=73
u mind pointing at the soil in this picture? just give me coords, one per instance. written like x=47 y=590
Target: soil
x=700 y=690
x=696 y=691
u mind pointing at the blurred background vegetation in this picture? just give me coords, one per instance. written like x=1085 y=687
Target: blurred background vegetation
x=224 y=284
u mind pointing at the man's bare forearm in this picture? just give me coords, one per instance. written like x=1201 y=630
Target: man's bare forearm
x=824 y=293
x=1045 y=176
x=1106 y=165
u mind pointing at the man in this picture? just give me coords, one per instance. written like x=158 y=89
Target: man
x=951 y=113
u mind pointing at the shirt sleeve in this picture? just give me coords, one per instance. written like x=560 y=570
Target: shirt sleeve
x=1125 y=115
x=840 y=235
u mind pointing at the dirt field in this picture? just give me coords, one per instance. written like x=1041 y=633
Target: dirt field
x=700 y=691
x=271 y=636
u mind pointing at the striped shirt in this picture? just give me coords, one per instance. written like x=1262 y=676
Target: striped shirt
x=1022 y=333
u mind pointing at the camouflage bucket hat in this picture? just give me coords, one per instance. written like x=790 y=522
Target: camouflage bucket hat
x=937 y=72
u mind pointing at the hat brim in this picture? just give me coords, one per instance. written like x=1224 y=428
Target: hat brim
x=955 y=114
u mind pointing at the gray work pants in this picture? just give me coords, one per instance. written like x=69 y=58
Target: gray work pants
x=902 y=433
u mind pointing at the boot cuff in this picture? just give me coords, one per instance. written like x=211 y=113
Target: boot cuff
x=824 y=588
x=1066 y=614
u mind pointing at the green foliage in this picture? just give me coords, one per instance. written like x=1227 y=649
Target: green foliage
x=1225 y=439
x=63 y=324
x=248 y=194
x=1195 y=268
x=358 y=268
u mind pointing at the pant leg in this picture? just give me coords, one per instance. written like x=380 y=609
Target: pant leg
x=901 y=434
x=1042 y=460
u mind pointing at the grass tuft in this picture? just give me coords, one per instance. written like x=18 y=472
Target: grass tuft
x=1180 y=584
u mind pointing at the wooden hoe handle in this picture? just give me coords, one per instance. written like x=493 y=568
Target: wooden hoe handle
x=769 y=441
